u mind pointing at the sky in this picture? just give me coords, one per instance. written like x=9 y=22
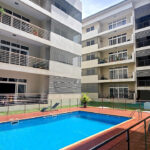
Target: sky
x=92 y=6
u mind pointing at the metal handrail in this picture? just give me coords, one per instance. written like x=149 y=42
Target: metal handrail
x=129 y=75
x=142 y=43
x=121 y=133
x=143 y=24
x=23 y=60
x=143 y=82
x=145 y=62
x=107 y=60
x=23 y=25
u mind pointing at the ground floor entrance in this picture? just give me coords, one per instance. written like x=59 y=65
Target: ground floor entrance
x=7 y=88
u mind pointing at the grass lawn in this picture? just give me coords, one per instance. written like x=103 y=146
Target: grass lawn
x=116 y=105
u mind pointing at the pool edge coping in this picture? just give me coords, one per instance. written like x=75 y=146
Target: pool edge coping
x=94 y=135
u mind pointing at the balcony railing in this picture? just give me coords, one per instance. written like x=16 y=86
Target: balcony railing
x=42 y=3
x=145 y=62
x=23 y=60
x=107 y=60
x=25 y=26
x=108 y=76
x=142 y=43
x=143 y=24
x=22 y=98
x=143 y=82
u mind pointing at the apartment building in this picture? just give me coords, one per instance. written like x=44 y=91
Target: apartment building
x=40 y=48
x=115 y=52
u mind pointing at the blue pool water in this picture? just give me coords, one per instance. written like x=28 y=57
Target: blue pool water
x=54 y=132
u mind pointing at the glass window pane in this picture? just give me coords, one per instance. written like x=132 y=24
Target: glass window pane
x=111 y=93
x=92 y=42
x=21 y=88
x=125 y=92
x=92 y=28
x=121 y=95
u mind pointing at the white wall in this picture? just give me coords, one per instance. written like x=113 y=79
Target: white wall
x=65 y=44
x=64 y=70
x=65 y=19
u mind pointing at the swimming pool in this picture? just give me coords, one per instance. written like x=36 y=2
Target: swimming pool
x=54 y=132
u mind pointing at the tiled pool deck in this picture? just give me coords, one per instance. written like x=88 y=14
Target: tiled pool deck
x=93 y=140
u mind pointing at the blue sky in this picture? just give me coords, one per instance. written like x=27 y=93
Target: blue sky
x=92 y=6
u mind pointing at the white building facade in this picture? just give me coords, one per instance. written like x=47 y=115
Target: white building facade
x=40 y=48
x=115 y=62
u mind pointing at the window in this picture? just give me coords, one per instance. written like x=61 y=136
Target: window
x=91 y=71
x=20 y=84
x=89 y=56
x=118 y=73
x=21 y=88
x=119 y=91
x=68 y=9
x=15 y=51
x=89 y=43
x=117 y=56
x=117 y=23
x=92 y=42
x=117 y=39
x=90 y=29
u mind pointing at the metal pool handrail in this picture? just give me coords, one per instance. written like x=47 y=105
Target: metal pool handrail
x=121 y=133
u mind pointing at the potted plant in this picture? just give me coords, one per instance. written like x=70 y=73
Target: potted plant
x=84 y=99
x=35 y=32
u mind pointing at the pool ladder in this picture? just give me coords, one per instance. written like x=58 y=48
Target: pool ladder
x=139 y=113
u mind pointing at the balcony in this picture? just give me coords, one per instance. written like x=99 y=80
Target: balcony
x=143 y=83
x=143 y=24
x=118 y=96
x=141 y=63
x=23 y=60
x=90 y=49
x=142 y=43
x=22 y=98
x=109 y=62
x=25 y=26
x=121 y=28
x=122 y=43
x=90 y=79
x=41 y=3
x=89 y=35
x=106 y=78
x=90 y=63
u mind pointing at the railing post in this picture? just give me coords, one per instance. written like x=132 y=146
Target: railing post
x=125 y=104
x=102 y=101
x=61 y=103
x=8 y=109
x=145 y=135
x=113 y=102
x=77 y=103
x=69 y=103
x=128 y=139
x=39 y=106
x=24 y=107
x=51 y=103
